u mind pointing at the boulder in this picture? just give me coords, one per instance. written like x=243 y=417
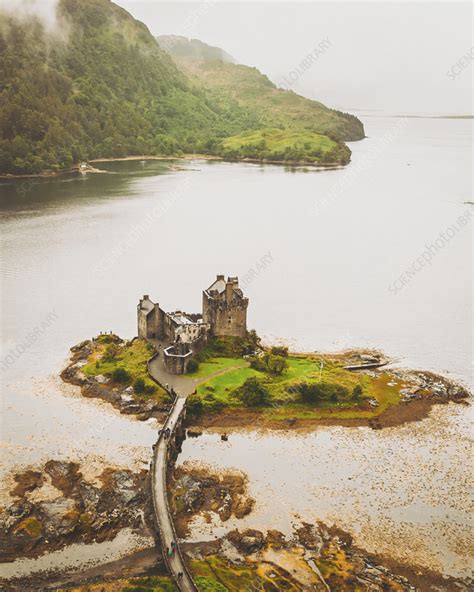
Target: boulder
x=248 y=541
x=27 y=481
x=60 y=515
x=101 y=379
x=64 y=475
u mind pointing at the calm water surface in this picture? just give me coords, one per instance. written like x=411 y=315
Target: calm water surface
x=83 y=249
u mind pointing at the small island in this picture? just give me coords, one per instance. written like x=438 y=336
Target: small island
x=232 y=380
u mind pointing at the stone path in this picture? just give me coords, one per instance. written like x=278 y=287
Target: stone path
x=183 y=385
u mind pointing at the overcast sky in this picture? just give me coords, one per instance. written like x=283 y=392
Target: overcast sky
x=393 y=57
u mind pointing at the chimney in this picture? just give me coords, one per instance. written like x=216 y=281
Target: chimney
x=229 y=290
x=146 y=297
x=220 y=277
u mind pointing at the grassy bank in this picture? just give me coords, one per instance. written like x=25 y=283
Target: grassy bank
x=285 y=145
x=124 y=364
x=299 y=389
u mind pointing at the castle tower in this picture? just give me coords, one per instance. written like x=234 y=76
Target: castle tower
x=149 y=319
x=224 y=308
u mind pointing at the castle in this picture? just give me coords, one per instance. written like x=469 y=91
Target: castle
x=224 y=314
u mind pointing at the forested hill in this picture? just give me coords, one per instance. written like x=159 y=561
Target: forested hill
x=251 y=89
x=105 y=90
x=101 y=86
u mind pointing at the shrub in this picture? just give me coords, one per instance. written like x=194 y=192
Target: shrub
x=279 y=350
x=150 y=389
x=139 y=386
x=211 y=403
x=194 y=404
x=253 y=393
x=210 y=585
x=357 y=392
x=229 y=347
x=193 y=366
x=321 y=391
x=269 y=363
x=110 y=353
x=121 y=375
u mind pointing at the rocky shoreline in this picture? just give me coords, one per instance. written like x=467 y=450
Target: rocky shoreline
x=122 y=398
x=316 y=557
x=201 y=491
x=54 y=506
x=422 y=390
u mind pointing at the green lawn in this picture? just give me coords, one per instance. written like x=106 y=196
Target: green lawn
x=132 y=357
x=305 y=369
x=222 y=386
x=215 y=365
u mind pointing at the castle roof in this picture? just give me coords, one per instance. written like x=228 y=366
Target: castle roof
x=147 y=305
x=180 y=318
x=218 y=285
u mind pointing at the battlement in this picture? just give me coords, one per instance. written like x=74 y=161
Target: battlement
x=224 y=308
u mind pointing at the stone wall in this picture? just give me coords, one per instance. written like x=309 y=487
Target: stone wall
x=176 y=358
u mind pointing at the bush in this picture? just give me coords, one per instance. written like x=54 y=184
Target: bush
x=121 y=375
x=321 y=391
x=357 y=392
x=210 y=585
x=210 y=402
x=139 y=386
x=150 y=389
x=193 y=366
x=269 y=363
x=194 y=404
x=279 y=350
x=253 y=393
x=229 y=347
x=111 y=352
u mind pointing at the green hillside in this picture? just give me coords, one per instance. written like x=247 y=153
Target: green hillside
x=108 y=90
x=105 y=88
x=284 y=145
x=192 y=49
x=249 y=88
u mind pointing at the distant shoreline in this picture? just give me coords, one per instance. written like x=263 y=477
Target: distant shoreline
x=76 y=168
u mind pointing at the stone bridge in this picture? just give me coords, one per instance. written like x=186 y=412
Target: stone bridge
x=164 y=453
x=166 y=450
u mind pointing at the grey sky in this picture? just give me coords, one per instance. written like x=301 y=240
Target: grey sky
x=393 y=57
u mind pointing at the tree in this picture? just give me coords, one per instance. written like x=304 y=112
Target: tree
x=279 y=350
x=318 y=392
x=269 y=363
x=194 y=404
x=139 y=386
x=357 y=392
x=253 y=393
x=193 y=366
x=110 y=353
x=121 y=375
